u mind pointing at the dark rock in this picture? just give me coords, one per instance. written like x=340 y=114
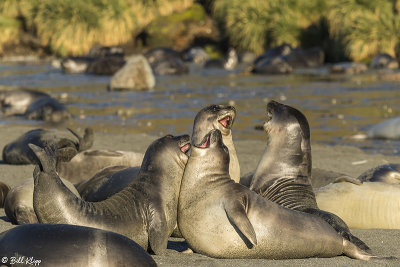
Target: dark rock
x=106 y=65
x=305 y=58
x=275 y=65
x=196 y=54
x=229 y=62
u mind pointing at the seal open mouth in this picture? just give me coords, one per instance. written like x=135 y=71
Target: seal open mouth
x=185 y=147
x=226 y=121
x=205 y=143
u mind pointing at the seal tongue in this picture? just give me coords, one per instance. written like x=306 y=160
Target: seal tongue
x=206 y=142
x=226 y=121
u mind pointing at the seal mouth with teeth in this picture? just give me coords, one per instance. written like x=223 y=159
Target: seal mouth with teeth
x=226 y=121
x=185 y=147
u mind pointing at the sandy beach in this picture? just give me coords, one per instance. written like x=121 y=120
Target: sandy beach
x=342 y=159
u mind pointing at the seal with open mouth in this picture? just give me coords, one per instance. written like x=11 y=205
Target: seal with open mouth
x=145 y=210
x=219 y=117
x=223 y=219
x=283 y=174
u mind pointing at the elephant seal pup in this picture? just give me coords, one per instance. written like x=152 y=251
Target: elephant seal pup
x=86 y=164
x=69 y=245
x=219 y=117
x=18 y=152
x=4 y=189
x=18 y=204
x=364 y=205
x=144 y=211
x=283 y=174
x=224 y=219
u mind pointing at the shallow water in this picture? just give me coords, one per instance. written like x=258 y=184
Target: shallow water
x=337 y=107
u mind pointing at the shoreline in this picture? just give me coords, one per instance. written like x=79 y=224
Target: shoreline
x=340 y=159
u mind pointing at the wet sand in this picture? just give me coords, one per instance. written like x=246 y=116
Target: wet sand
x=336 y=159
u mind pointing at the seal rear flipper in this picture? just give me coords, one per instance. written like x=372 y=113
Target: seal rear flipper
x=352 y=251
x=339 y=225
x=158 y=232
x=4 y=189
x=236 y=212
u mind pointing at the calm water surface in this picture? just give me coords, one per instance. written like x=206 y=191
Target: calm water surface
x=337 y=107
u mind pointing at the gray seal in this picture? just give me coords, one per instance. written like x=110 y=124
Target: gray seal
x=18 y=152
x=387 y=173
x=219 y=117
x=18 y=204
x=144 y=211
x=223 y=219
x=69 y=245
x=86 y=164
x=283 y=174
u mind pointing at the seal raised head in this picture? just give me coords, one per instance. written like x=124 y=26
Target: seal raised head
x=283 y=174
x=219 y=117
x=70 y=245
x=145 y=210
x=224 y=219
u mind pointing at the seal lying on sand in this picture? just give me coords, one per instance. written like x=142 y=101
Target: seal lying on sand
x=18 y=204
x=144 y=211
x=86 y=164
x=283 y=174
x=219 y=117
x=370 y=201
x=69 y=245
x=224 y=219
x=18 y=152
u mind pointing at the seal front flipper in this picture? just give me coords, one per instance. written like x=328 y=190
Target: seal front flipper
x=237 y=215
x=158 y=231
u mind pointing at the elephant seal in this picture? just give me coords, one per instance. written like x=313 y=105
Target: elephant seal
x=4 y=189
x=219 y=117
x=16 y=102
x=362 y=205
x=69 y=245
x=223 y=219
x=18 y=152
x=86 y=164
x=144 y=211
x=370 y=201
x=18 y=204
x=283 y=174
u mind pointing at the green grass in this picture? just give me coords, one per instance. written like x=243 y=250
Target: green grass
x=70 y=27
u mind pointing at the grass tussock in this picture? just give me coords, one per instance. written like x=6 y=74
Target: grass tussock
x=257 y=25
x=70 y=27
x=367 y=27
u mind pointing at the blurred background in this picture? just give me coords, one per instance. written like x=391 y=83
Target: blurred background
x=336 y=61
